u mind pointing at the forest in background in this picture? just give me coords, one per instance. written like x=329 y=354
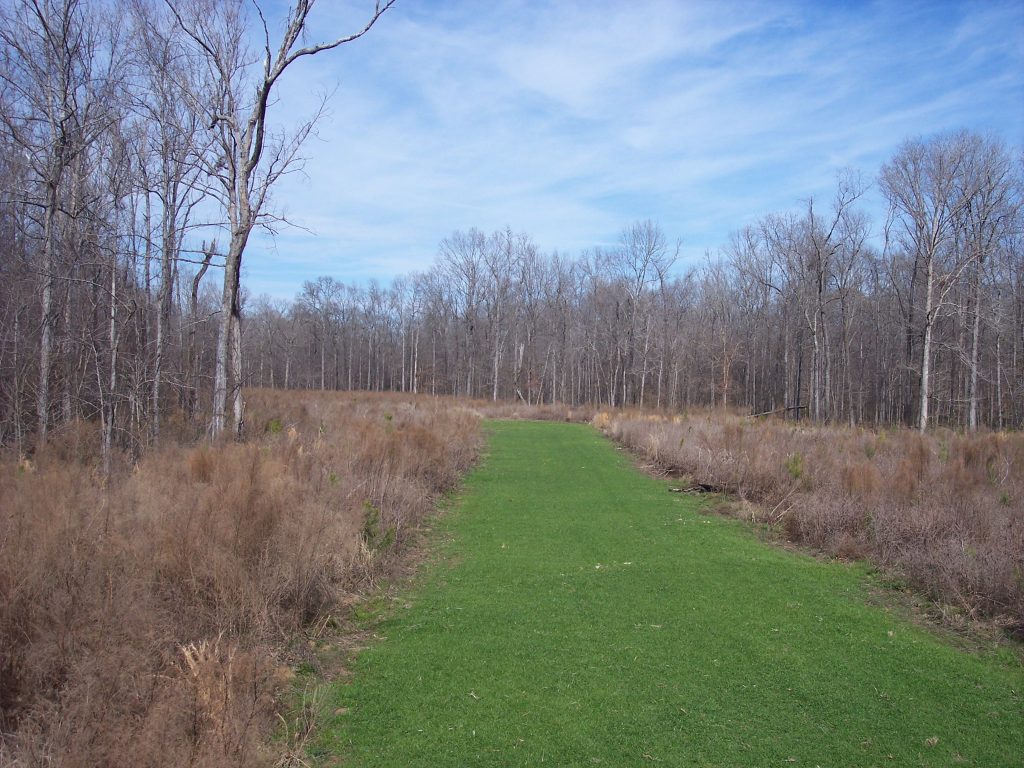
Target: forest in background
x=118 y=305
x=797 y=314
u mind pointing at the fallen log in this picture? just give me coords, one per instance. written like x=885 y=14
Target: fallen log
x=699 y=488
x=777 y=410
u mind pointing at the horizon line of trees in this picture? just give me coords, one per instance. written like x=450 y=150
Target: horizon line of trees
x=799 y=314
x=123 y=126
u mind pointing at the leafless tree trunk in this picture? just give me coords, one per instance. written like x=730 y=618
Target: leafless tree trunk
x=193 y=348
x=51 y=45
x=929 y=187
x=247 y=166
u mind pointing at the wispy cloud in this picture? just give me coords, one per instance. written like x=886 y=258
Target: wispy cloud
x=568 y=120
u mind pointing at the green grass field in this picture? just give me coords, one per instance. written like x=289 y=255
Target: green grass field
x=578 y=615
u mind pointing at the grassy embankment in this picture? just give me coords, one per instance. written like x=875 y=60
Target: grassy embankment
x=581 y=615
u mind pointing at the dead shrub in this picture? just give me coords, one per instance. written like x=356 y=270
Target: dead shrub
x=143 y=620
x=860 y=479
x=904 y=482
x=75 y=443
x=848 y=546
x=200 y=464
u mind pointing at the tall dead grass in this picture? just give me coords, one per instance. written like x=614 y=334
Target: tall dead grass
x=944 y=510
x=146 y=621
x=515 y=409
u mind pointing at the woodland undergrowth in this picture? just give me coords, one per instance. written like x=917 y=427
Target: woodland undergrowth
x=942 y=511
x=150 y=618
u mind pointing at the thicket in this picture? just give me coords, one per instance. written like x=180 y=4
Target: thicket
x=149 y=617
x=942 y=510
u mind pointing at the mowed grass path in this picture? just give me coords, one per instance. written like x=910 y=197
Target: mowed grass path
x=581 y=615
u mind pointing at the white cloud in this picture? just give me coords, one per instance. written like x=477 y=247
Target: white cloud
x=567 y=120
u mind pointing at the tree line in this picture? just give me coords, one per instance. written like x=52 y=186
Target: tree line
x=804 y=314
x=127 y=131
x=136 y=159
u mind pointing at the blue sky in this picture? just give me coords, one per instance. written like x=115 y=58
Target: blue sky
x=569 y=120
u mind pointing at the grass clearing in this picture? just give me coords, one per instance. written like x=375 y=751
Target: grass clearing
x=581 y=615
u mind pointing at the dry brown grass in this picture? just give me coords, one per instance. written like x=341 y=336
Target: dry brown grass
x=536 y=412
x=944 y=511
x=146 y=621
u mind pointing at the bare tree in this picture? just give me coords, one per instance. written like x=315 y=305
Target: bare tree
x=171 y=156
x=234 y=103
x=50 y=50
x=501 y=261
x=193 y=354
x=642 y=260
x=827 y=245
x=930 y=188
x=461 y=263
x=320 y=302
x=988 y=218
